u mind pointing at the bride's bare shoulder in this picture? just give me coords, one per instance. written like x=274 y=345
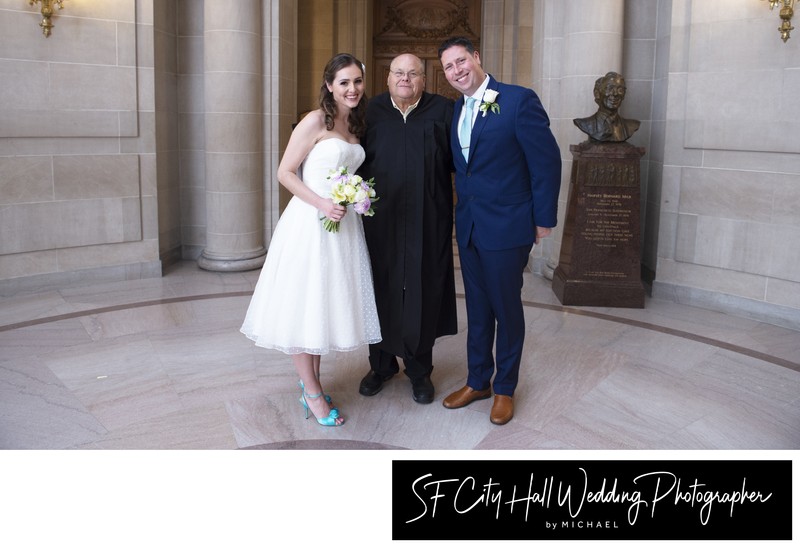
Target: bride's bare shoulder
x=313 y=120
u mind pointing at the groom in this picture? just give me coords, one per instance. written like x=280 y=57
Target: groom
x=508 y=176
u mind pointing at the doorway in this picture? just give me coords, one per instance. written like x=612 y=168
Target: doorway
x=418 y=27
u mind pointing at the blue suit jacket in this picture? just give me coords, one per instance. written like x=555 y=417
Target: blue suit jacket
x=512 y=181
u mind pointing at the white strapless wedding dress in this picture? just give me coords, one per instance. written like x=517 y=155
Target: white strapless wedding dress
x=315 y=293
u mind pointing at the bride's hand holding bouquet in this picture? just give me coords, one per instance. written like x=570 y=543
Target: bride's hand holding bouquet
x=348 y=189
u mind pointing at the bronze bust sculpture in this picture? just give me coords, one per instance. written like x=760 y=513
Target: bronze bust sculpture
x=606 y=124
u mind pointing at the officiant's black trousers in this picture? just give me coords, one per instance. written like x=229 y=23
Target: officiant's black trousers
x=386 y=364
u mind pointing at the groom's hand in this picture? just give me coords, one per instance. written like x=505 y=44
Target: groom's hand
x=542 y=232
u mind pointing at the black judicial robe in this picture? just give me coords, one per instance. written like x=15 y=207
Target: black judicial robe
x=410 y=237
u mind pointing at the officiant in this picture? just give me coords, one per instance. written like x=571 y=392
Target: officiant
x=407 y=146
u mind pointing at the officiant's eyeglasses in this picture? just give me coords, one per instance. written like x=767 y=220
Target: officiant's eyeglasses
x=399 y=74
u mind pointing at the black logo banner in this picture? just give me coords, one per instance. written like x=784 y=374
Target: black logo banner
x=591 y=500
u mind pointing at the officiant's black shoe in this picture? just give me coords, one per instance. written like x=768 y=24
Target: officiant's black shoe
x=422 y=389
x=372 y=383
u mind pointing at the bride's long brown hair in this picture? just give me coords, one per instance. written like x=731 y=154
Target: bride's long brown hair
x=356 y=120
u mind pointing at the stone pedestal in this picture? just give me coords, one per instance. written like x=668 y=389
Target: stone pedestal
x=600 y=259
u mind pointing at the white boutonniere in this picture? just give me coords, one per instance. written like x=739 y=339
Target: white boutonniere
x=490 y=102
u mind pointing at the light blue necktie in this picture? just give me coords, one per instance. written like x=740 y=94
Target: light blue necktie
x=466 y=127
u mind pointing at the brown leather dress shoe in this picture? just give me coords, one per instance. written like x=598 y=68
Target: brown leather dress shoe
x=465 y=396
x=502 y=409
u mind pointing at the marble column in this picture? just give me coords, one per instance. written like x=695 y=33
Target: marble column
x=592 y=46
x=234 y=137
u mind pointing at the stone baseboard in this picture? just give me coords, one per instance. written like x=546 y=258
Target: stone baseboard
x=771 y=313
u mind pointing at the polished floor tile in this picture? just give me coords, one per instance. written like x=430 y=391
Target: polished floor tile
x=160 y=364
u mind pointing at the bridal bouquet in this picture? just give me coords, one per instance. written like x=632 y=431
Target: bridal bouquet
x=348 y=189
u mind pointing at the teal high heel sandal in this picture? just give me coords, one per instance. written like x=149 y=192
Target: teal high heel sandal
x=332 y=417
x=303 y=389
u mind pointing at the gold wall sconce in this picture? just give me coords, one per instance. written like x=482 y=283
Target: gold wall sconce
x=786 y=13
x=47 y=12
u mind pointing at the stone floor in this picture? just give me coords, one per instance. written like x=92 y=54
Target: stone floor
x=160 y=364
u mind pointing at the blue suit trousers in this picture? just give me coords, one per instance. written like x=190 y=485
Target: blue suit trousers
x=492 y=288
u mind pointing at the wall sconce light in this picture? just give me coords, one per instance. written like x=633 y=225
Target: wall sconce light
x=786 y=13
x=47 y=13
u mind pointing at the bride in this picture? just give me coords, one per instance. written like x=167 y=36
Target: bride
x=314 y=293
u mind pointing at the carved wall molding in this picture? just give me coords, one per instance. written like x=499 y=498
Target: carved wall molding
x=420 y=50
x=423 y=19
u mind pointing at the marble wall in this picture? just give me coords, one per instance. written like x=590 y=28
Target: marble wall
x=77 y=144
x=315 y=17
x=167 y=101
x=730 y=185
x=191 y=129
